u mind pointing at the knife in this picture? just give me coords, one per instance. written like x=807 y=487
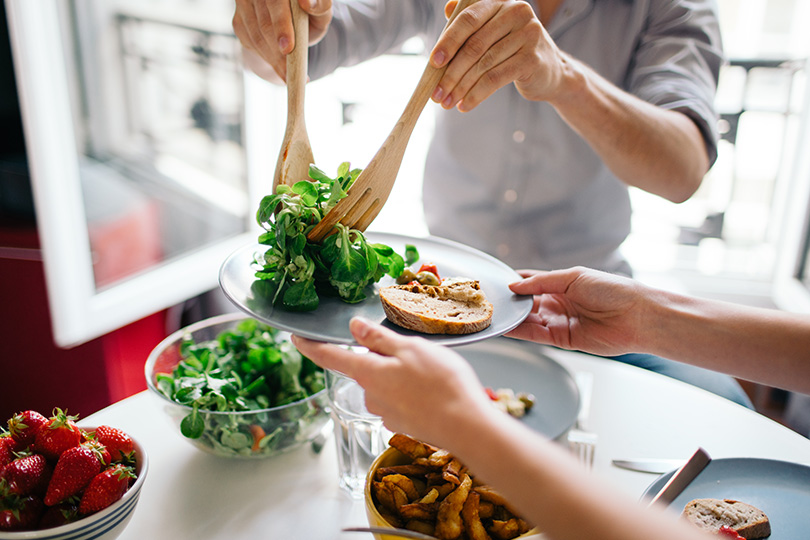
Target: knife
x=682 y=477
x=656 y=466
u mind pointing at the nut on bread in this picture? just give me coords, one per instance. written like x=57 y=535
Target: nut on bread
x=710 y=514
x=457 y=308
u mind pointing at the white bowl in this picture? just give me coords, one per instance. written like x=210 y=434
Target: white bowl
x=105 y=524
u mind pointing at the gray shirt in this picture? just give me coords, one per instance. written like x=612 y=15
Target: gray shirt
x=511 y=177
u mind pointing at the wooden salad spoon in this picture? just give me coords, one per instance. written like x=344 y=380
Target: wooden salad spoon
x=295 y=156
x=371 y=189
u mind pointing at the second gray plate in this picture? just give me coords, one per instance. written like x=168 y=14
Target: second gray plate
x=521 y=365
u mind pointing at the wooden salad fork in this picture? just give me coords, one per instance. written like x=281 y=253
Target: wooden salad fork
x=371 y=189
x=295 y=156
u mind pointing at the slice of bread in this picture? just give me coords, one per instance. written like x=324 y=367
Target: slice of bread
x=711 y=514
x=458 y=308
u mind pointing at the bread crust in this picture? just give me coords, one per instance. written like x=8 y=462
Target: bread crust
x=458 y=308
x=710 y=514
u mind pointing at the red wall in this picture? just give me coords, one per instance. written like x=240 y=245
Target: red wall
x=34 y=373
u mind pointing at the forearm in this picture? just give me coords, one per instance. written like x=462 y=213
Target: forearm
x=763 y=345
x=657 y=150
x=551 y=490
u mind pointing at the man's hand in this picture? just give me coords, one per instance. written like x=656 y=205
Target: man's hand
x=491 y=44
x=265 y=29
x=584 y=310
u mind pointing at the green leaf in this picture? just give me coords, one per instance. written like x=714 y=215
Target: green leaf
x=316 y=174
x=308 y=192
x=350 y=266
x=192 y=426
x=411 y=254
x=301 y=296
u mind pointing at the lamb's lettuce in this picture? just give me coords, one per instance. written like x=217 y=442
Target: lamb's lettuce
x=295 y=272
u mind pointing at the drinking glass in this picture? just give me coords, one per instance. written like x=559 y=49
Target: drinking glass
x=359 y=435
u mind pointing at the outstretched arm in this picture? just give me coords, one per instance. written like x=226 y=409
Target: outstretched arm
x=422 y=389
x=497 y=42
x=600 y=313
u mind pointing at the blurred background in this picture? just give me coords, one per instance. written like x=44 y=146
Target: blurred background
x=146 y=149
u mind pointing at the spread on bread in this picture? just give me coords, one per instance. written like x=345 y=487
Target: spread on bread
x=459 y=307
x=712 y=515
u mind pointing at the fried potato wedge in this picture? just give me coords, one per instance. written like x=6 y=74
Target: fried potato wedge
x=472 y=521
x=410 y=446
x=448 y=519
x=435 y=494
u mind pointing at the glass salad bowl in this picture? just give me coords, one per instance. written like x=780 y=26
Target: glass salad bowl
x=235 y=387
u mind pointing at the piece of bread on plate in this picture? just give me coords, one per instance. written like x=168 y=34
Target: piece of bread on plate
x=459 y=307
x=710 y=514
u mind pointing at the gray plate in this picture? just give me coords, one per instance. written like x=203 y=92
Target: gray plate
x=781 y=489
x=520 y=365
x=330 y=321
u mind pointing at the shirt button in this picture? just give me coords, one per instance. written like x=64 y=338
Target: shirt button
x=518 y=136
x=502 y=250
x=510 y=195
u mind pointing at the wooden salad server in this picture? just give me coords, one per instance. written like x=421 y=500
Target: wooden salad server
x=371 y=189
x=296 y=152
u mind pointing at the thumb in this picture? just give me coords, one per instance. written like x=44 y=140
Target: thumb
x=554 y=282
x=316 y=7
x=375 y=337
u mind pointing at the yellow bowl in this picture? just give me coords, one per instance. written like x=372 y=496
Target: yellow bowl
x=389 y=458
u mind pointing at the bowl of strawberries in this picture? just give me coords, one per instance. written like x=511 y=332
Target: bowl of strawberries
x=62 y=481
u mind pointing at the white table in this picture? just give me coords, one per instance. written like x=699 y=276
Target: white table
x=636 y=413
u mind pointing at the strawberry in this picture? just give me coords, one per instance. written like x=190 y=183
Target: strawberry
x=23 y=427
x=96 y=446
x=57 y=435
x=74 y=470
x=105 y=488
x=117 y=442
x=7 y=447
x=26 y=475
x=20 y=514
x=61 y=514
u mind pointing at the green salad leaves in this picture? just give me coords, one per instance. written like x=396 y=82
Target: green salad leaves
x=295 y=272
x=248 y=368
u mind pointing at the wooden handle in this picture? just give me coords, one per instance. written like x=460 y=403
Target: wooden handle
x=295 y=156
x=297 y=61
x=427 y=83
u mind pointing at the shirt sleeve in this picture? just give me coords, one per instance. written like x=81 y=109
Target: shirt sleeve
x=363 y=29
x=677 y=63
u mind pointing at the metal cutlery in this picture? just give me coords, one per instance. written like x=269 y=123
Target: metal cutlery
x=655 y=466
x=581 y=441
x=404 y=533
x=682 y=477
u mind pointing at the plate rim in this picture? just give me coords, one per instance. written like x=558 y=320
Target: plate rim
x=661 y=480
x=379 y=237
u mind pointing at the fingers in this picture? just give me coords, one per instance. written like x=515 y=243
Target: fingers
x=265 y=27
x=455 y=37
x=376 y=338
x=555 y=282
x=333 y=357
x=532 y=329
x=380 y=342
x=489 y=45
